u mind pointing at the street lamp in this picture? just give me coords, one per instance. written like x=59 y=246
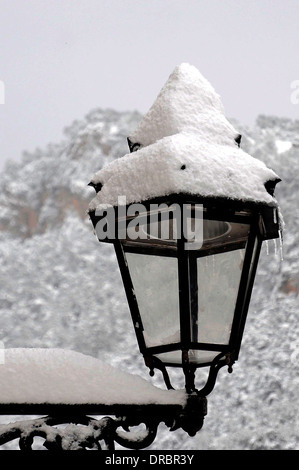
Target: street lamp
x=187 y=216
x=189 y=303
x=187 y=211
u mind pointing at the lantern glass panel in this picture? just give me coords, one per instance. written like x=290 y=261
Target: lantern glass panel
x=174 y=358
x=199 y=314
x=218 y=279
x=155 y=281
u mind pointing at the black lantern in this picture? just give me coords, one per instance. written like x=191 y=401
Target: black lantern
x=188 y=266
x=187 y=229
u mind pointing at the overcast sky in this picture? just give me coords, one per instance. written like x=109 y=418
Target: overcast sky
x=61 y=58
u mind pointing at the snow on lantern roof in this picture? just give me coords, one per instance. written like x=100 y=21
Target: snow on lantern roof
x=187 y=102
x=185 y=145
x=55 y=376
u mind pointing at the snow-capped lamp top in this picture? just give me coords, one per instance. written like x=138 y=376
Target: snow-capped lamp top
x=184 y=144
x=186 y=103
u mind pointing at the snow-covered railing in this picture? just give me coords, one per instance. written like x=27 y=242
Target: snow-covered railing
x=79 y=395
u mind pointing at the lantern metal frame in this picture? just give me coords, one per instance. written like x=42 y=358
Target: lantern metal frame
x=263 y=221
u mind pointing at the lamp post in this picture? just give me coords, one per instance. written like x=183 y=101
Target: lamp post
x=187 y=211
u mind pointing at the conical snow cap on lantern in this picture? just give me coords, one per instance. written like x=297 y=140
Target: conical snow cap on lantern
x=186 y=103
x=186 y=145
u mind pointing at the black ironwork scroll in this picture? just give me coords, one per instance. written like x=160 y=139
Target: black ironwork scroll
x=131 y=427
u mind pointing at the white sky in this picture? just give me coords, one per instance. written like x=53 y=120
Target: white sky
x=61 y=58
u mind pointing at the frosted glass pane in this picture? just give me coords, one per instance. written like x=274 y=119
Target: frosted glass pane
x=155 y=282
x=218 y=278
x=195 y=357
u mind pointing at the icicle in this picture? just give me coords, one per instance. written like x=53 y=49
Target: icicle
x=275 y=215
x=280 y=245
x=275 y=246
x=241 y=254
x=267 y=247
